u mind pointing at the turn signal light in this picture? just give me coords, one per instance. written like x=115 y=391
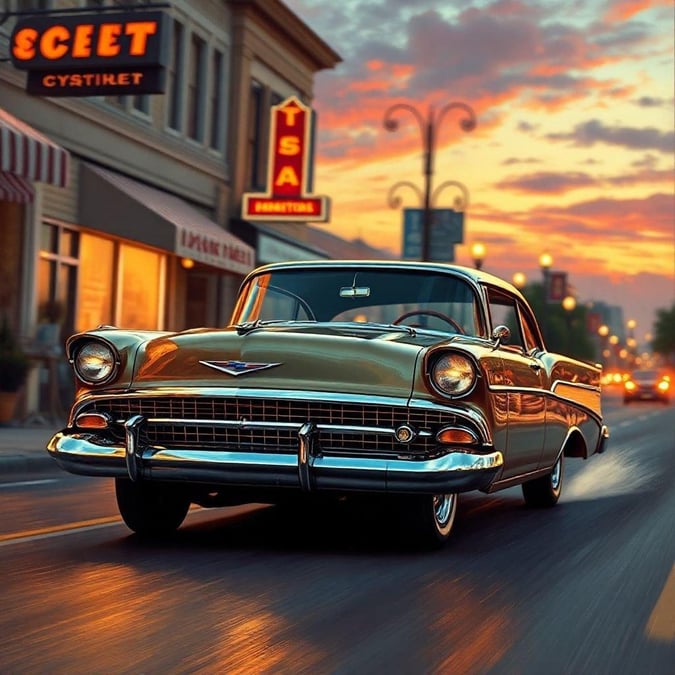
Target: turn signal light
x=453 y=435
x=92 y=421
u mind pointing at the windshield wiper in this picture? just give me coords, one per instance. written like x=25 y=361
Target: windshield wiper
x=249 y=326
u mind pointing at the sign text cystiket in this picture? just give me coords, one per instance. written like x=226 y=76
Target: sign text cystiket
x=288 y=196
x=92 y=54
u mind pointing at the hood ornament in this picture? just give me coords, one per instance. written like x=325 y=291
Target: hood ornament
x=238 y=367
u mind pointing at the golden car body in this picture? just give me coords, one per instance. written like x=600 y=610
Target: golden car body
x=402 y=381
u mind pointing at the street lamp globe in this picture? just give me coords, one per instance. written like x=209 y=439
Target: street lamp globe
x=569 y=303
x=478 y=254
x=545 y=261
x=603 y=331
x=519 y=280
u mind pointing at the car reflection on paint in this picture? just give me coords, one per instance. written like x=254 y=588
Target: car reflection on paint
x=647 y=385
x=405 y=383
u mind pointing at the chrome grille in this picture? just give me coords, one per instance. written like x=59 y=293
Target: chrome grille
x=275 y=411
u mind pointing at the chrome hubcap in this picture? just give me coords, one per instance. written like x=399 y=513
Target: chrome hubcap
x=555 y=474
x=443 y=506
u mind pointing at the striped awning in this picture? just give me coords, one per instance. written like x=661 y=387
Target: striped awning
x=13 y=188
x=26 y=153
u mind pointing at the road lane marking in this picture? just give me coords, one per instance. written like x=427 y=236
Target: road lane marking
x=58 y=530
x=70 y=528
x=24 y=483
x=661 y=624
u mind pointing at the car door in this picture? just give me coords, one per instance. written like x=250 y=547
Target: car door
x=523 y=382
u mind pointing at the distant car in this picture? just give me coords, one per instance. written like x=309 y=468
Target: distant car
x=647 y=385
x=405 y=383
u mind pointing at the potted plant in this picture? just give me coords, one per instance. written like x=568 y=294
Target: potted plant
x=14 y=367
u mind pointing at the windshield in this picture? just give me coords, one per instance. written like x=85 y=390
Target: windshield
x=414 y=298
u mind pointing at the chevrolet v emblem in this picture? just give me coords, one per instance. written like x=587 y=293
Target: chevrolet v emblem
x=238 y=367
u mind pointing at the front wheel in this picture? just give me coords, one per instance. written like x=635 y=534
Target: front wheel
x=429 y=519
x=151 y=509
x=545 y=491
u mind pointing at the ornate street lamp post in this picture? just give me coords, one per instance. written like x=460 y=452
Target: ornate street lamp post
x=428 y=129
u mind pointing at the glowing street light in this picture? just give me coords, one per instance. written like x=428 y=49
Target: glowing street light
x=545 y=262
x=519 y=280
x=478 y=251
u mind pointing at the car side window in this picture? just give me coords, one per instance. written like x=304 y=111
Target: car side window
x=531 y=337
x=504 y=312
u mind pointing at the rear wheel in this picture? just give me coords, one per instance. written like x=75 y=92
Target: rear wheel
x=428 y=520
x=545 y=491
x=151 y=509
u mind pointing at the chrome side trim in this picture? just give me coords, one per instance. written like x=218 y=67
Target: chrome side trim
x=507 y=389
x=577 y=385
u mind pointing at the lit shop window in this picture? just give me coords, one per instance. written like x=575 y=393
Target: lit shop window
x=95 y=290
x=141 y=285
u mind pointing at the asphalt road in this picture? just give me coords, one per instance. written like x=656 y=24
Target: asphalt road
x=585 y=588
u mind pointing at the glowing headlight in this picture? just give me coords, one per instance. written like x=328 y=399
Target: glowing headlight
x=663 y=385
x=94 y=362
x=453 y=374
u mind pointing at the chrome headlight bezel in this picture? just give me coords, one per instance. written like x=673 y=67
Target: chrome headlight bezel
x=452 y=374
x=95 y=362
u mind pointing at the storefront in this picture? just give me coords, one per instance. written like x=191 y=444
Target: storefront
x=26 y=157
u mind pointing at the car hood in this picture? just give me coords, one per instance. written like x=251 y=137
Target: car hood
x=356 y=360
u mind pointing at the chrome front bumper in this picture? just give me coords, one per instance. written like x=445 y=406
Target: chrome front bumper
x=456 y=471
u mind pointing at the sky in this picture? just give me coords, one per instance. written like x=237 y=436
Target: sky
x=572 y=154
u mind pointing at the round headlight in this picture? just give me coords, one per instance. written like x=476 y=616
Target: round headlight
x=453 y=374
x=94 y=362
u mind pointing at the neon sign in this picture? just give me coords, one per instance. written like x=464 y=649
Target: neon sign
x=288 y=175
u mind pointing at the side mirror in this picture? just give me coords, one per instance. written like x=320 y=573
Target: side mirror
x=501 y=334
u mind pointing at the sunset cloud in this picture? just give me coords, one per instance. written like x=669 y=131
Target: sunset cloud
x=594 y=131
x=573 y=149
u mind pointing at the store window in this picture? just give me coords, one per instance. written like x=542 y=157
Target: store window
x=95 y=282
x=57 y=276
x=119 y=284
x=141 y=275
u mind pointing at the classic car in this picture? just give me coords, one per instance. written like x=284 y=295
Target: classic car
x=400 y=384
x=647 y=385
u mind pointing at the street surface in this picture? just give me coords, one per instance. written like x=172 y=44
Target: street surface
x=585 y=588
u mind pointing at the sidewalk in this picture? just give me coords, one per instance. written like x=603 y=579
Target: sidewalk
x=24 y=449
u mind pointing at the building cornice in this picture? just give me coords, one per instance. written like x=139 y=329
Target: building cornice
x=315 y=51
